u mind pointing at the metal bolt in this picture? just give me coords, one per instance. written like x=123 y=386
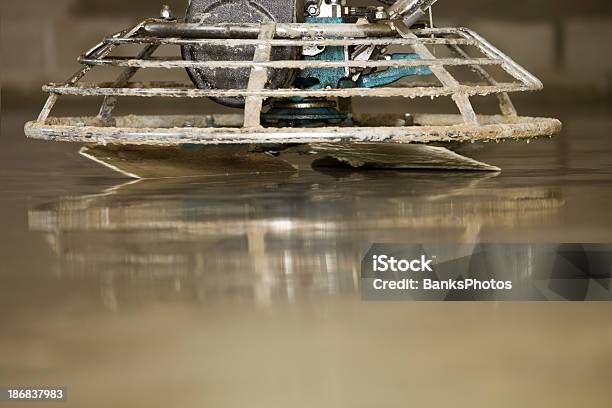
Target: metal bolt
x=381 y=13
x=312 y=10
x=166 y=13
x=408 y=119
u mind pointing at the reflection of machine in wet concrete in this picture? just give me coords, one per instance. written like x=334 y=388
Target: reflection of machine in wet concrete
x=271 y=237
x=294 y=69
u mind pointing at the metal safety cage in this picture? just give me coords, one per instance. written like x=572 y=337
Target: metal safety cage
x=247 y=128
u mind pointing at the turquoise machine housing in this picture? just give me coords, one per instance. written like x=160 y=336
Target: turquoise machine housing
x=322 y=78
x=319 y=78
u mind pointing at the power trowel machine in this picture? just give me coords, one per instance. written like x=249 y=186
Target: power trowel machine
x=294 y=69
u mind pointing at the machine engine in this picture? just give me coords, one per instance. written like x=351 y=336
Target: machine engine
x=238 y=11
x=291 y=11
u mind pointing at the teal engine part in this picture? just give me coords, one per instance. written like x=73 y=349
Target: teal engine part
x=303 y=112
x=320 y=78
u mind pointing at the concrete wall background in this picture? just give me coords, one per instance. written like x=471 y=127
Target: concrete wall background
x=563 y=42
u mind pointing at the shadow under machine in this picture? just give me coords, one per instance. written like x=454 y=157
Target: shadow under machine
x=294 y=68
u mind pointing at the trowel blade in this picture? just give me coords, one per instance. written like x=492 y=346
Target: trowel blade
x=395 y=156
x=170 y=162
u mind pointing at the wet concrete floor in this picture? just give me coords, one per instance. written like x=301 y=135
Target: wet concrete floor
x=242 y=291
